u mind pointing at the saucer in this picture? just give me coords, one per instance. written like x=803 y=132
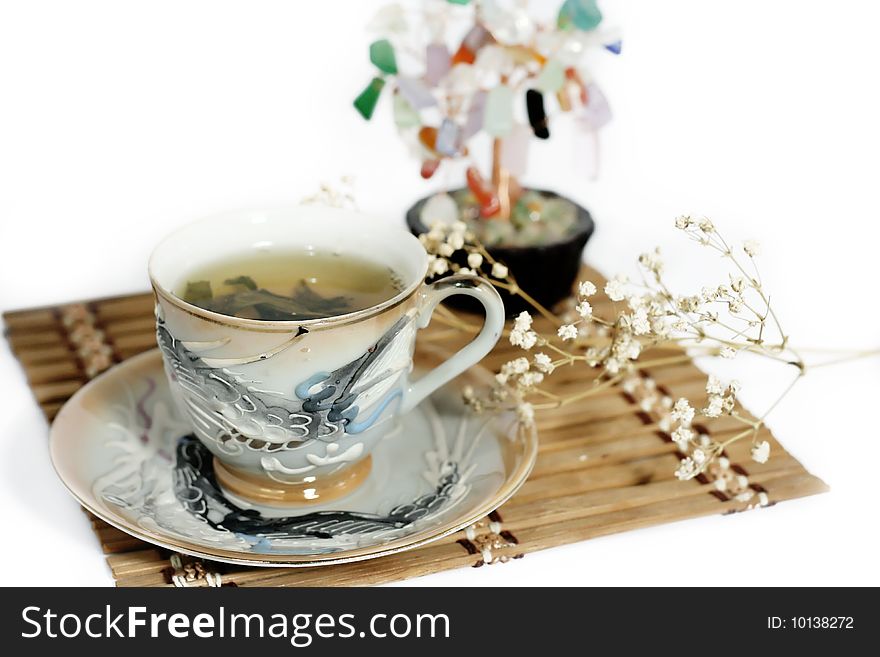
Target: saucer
x=125 y=452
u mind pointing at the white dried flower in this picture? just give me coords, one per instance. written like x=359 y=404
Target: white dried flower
x=716 y=405
x=437 y=266
x=714 y=385
x=687 y=469
x=445 y=249
x=652 y=261
x=683 y=222
x=586 y=289
x=635 y=301
x=584 y=309
x=661 y=327
x=459 y=227
x=682 y=412
x=727 y=352
x=455 y=240
x=751 y=248
x=523 y=321
x=690 y=304
x=707 y=226
x=629 y=348
x=615 y=288
x=530 y=379
x=499 y=270
x=761 y=452
x=474 y=260
x=639 y=322
x=467 y=392
x=682 y=436
x=699 y=456
x=523 y=339
x=567 y=332
x=525 y=413
x=466 y=271
x=521 y=334
x=544 y=363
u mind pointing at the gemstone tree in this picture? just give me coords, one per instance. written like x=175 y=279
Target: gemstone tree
x=459 y=68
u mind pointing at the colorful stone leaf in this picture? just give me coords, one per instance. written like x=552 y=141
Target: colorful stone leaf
x=498 y=116
x=416 y=93
x=365 y=103
x=447 y=141
x=579 y=14
x=464 y=55
x=437 y=63
x=486 y=198
x=428 y=137
x=597 y=112
x=404 y=114
x=474 y=121
x=551 y=78
x=615 y=46
x=537 y=115
x=382 y=56
x=515 y=151
x=429 y=167
x=475 y=39
x=439 y=209
x=508 y=25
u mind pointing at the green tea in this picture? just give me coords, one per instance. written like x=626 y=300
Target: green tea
x=290 y=286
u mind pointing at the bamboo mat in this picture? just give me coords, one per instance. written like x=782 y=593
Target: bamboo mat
x=603 y=466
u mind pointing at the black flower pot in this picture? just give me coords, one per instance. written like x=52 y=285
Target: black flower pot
x=546 y=272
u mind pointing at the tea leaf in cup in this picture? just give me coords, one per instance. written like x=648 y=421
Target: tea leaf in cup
x=245 y=281
x=198 y=292
x=306 y=296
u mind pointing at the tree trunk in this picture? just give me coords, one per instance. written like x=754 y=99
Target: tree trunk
x=500 y=181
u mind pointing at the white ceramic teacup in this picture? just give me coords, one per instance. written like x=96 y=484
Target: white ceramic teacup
x=291 y=410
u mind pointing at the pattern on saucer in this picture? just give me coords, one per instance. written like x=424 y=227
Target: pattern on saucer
x=123 y=448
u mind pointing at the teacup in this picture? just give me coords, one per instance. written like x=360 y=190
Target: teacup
x=291 y=410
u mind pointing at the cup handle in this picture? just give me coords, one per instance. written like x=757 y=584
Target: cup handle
x=471 y=353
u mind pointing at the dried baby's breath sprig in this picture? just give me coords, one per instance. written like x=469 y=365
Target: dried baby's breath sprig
x=450 y=244
x=340 y=195
x=722 y=319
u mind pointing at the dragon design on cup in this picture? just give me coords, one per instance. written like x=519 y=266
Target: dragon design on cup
x=236 y=414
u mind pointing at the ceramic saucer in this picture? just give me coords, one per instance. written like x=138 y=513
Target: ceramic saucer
x=125 y=452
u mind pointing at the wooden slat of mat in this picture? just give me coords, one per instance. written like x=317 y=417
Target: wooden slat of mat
x=602 y=467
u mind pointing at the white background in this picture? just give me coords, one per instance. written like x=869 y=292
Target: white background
x=120 y=120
